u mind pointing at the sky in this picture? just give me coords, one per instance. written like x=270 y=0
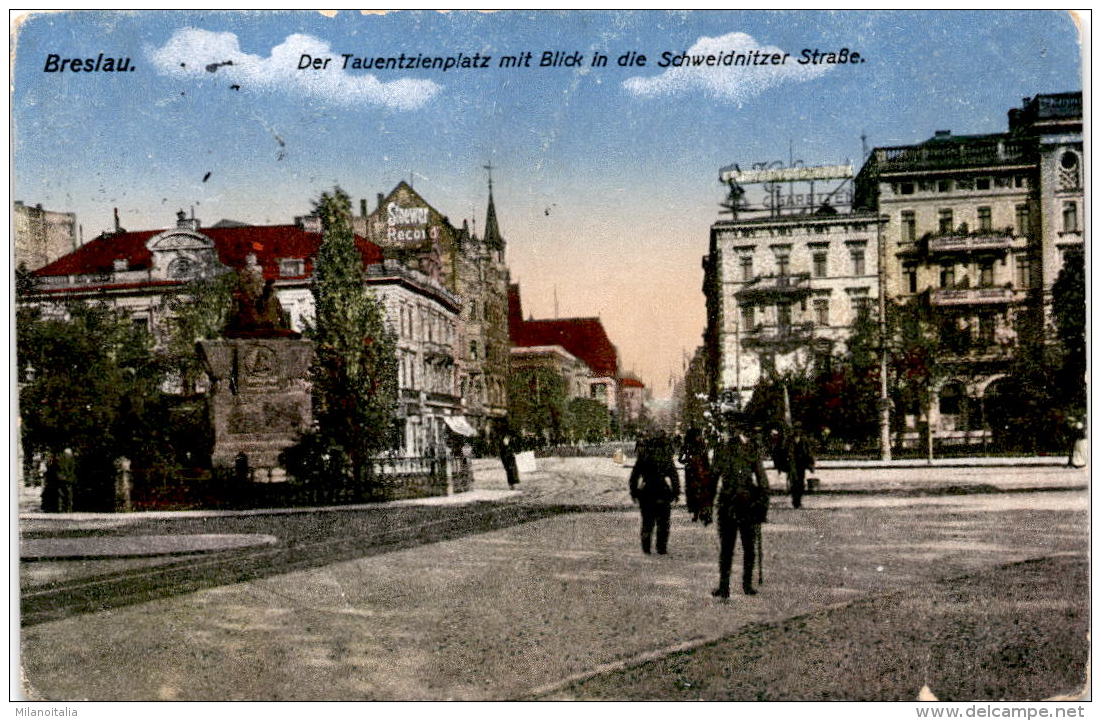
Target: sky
x=605 y=178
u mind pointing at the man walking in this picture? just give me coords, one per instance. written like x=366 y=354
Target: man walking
x=652 y=493
x=800 y=458
x=742 y=507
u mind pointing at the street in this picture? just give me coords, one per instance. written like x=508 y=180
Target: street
x=545 y=595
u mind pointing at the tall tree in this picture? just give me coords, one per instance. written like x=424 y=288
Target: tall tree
x=354 y=374
x=590 y=420
x=538 y=403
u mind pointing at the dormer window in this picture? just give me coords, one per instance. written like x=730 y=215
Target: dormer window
x=292 y=267
x=120 y=265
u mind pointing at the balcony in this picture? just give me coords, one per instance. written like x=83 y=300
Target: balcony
x=971 y=296
x=781 y=338
x=768 y=289
x=966 y=243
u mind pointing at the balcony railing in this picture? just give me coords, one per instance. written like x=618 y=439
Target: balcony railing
x=791 y=334
x=955 y=154
x=956 y=242
x=775 y=287
x=971 y=296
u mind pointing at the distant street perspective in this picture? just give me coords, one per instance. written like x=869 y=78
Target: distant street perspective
x=972 y=581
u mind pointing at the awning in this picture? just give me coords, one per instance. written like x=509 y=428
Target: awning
x=460 y=425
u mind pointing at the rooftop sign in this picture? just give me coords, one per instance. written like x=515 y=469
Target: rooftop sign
x=785 y=175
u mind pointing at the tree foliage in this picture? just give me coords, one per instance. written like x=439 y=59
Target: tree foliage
x=590 y=420
x=354 y=374
x=538 y=403
x=90 y=383
x=197 y=311
x=1069 y=311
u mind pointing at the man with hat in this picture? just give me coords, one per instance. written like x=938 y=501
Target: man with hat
x=650 y=491
x=742 y=505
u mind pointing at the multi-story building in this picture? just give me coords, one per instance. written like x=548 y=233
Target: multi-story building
x=976 y=229
x=633 y=395
x=585 y=338
x=783 y=289
x=414 y=234
x=42 y=236
x=134 y=270
x=558 y=360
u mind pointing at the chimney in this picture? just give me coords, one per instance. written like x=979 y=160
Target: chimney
x=379 y=196
x=39 y=207
x=363 y=207
x=118 y=226
x=942 y=134
x=308 y=223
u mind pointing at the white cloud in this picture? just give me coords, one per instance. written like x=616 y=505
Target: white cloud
x=191 y=51
x=732 y=83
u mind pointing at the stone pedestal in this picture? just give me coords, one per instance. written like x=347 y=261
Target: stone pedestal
x=259 y=400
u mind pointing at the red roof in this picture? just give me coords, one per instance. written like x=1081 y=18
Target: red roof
x=583 y=337
x=270 y=244
x=629 y=382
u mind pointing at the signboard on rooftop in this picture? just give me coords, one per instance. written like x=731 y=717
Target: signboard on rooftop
x=785 y=175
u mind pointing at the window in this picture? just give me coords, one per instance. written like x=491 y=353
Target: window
x=1070 y=217
x=906 y=188
x=944 y=186
x=1022 y=220
x=822 y=311
x=944 y=217
x=292 y=267
x=474 y=350
x=858 y=261
x=748 y=319
x=982 y=183
x=1019 y=181
x=947 y=276
x=783 y=316
x=862 y=304
x=820 y=264
x=909 y=277
x=1024 y=276
x=1069 y=161
x=782 y=265
x=140 y=323
x=986 y=329
x=986 y=220
x=747 y=267
x=909 y=226
x=986 y=273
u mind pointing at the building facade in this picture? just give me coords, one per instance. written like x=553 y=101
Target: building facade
x=134 y=270
x=415 y=235
x=784 y=290
x=584 y=338
x=42 y=236
x=977 y=227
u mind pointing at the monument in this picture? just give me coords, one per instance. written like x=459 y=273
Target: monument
x=260 y=395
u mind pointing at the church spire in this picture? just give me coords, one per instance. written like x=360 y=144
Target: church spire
x=492 y=236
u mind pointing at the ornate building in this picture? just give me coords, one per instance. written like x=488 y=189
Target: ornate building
x=415 y=235
x=976 y=230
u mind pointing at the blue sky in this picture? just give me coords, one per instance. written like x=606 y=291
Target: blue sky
x=605 y=178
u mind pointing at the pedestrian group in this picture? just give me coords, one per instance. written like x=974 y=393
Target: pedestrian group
x=726 y=483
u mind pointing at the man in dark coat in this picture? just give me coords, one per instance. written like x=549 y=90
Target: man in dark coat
x=742 y=507
x=652 y=493
x=800 y=459
x=508 y=460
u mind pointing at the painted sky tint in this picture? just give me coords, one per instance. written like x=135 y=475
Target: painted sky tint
x=605 y=178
